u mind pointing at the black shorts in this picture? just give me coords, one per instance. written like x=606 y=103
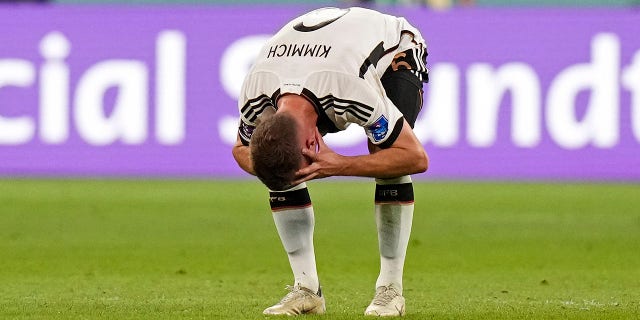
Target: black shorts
x=402 y=81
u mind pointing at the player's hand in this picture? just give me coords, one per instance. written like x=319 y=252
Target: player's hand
x=324 y=162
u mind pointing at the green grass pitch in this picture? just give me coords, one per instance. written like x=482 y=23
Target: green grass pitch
x=157 y=249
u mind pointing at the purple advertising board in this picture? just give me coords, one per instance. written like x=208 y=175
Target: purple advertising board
x=151 y=91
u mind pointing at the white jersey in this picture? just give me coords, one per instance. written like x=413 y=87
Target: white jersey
x=335 y=58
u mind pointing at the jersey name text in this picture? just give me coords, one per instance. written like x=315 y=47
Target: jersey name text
x=304 y=50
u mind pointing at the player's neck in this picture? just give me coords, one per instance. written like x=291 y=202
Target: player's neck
x=300 y=108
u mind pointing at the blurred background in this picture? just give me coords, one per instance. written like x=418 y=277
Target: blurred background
x=526 y=89
x=429 y=3
x=119 y=197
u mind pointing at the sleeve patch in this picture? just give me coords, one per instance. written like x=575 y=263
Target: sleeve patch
x=245 y=131
x=379 y=129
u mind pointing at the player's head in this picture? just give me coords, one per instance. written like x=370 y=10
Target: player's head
x=276 y=151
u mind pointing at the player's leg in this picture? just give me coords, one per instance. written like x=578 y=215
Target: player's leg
x=394 y=216
x=294 y=219
x=394 y=197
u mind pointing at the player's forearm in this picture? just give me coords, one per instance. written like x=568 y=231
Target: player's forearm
x=242 y=154
x=405 y=156
x=387 y=163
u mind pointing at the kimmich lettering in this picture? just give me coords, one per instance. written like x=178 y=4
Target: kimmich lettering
x=299 y=50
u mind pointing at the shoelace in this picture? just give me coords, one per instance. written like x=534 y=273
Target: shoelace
x=383 y=298
x=294 y=293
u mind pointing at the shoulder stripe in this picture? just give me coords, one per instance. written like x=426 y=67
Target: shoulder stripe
x=357 y=103
x=258 y=112
x=341 y=106
x=361 y=118
x=254 y=107
x=351 y=108
x=253 y=101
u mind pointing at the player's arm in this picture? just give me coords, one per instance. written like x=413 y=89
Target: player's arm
x=405 y=156
x=242 y=154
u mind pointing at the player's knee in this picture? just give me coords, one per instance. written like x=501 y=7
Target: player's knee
x=397 y=190
x=423 y=162
x=297 y=197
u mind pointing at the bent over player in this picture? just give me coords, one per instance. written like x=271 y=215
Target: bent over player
x=320 y=73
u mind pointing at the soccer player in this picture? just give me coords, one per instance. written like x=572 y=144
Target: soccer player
x=321 y=72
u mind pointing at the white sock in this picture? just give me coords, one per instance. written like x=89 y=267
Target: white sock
x=294 y=219
x=394 y=215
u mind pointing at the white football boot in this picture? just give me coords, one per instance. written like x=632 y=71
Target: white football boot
x=299 y=300
x=387 y=302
